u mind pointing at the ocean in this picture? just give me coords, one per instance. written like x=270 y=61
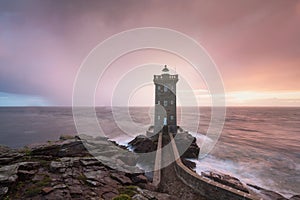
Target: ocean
x=258 y=145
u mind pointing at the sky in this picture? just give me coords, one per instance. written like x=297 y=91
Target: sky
x=255 y=45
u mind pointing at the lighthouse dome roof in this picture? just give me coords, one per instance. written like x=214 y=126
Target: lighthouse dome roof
x=165 y=69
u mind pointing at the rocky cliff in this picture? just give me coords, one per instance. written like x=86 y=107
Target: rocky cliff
x=64 y=169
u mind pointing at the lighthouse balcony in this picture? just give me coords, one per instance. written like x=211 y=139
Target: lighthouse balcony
x=165 y=77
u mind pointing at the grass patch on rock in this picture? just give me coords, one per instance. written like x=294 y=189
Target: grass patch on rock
x=66 y=137
x=27 y=151
x=130 y=190
x=32 y=191
x=122 y=197
x=81 y=177
x=36 y=188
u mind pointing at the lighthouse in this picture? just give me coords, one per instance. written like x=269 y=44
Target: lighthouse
x=165 y=102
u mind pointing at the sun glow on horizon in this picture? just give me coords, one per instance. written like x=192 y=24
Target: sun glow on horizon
x=254 y=98
x=233 y=98
x=267 y=98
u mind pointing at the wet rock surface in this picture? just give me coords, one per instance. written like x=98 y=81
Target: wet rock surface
x=259 y=192
x=226 y=180
x=270 y=195
x=187 y=145
x=64 y=169
x=190 y=164
x=143 y=144
x=295 y=197
x=188 y=149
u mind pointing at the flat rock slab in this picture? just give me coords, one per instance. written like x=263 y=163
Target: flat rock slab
x=3 y=191
x=8 y=174
x=47 y=190
x=226 y=180
x=75 y=190
x=90 y=162
x=124 y=180
x=108 y=195
x=96 y=175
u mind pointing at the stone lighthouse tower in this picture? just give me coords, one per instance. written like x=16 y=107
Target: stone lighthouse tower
x=165 y=101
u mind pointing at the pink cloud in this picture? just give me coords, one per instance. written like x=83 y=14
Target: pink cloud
x=254 y=43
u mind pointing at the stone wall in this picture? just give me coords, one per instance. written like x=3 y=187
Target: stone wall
x=157 y=166
x=206 y=187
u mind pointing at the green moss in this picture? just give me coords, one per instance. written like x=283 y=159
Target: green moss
x=122 y=197
x=14 y=191
x=32 y=191
x=81 y=177
x=7 y=198
x=66 y=137
x=28 y=188
x=27 y=151
x=44 y=182
x=132 y=187
x=128 y=190
x=37 y=187
x=20 y=185
x=44 y=163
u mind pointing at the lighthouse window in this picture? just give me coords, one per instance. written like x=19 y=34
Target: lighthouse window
x=172 y=102
x=165 y=121
x=158 y=87
x=158 y=102
x=171 y=117
x=158 y=117
x=165 y=103
x=165 y=89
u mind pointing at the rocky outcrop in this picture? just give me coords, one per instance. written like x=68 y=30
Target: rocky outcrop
x=225 y=179
x=64 y=169
x=143 y=144
x=8 y=155
x=233 y=182
x=295 y=197
x=187 y=148
x=62 y=148
x=187 y=145
x=267 y=194
x=185 y=142
x=190 y=164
